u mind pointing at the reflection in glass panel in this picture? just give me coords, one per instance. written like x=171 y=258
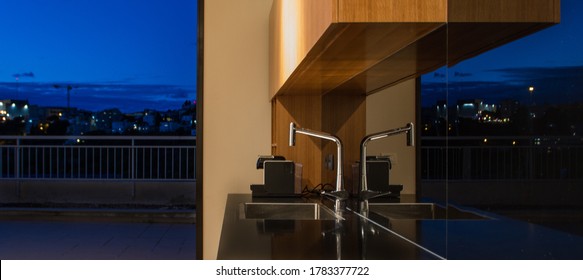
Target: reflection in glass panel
x=433 y=156
x=514 y=145
x=388 y=109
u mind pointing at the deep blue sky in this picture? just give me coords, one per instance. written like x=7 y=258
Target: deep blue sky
x=551 y=60
x=136 y=54
x=110 y=49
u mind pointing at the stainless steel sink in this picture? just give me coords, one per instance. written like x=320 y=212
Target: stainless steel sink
x=422 y=211
x=286 y=211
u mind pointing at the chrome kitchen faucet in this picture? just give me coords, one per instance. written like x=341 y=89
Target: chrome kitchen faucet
x=339 y=193
x=365 y=193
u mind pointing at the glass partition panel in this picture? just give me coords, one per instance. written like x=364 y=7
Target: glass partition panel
x=514 y=139
x=413 y=177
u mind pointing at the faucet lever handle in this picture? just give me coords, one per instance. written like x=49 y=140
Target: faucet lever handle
x=342 y=195
x=368 y=194
x=292 y=134
x=410 y=134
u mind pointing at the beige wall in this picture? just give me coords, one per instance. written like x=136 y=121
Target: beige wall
x=237 y=112
x=388 y=109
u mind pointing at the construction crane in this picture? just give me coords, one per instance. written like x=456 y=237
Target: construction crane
x=69 y=88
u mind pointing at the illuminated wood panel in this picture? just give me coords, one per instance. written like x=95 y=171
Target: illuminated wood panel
x=420 y=57
x=317 y=45
x=361 y=46
x=345 y=117
x=392 y=11
x=306 y=112
x=295 y=27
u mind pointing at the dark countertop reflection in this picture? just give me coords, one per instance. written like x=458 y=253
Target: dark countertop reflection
x=351 y=238
x=377 y=237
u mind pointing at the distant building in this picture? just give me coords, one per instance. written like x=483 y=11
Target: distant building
x=39 y=120
x=441 y=109
x=166 y=127
x=151 y=118
x=508 y=108
x=11 y=109
x=473 y=109
x=42 y=113
x=103 y=120
x=80 y=123
x=120 y=127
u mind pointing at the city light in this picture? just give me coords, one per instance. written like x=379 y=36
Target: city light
x=105 y=122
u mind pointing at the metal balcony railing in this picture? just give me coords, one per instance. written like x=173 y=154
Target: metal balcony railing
x=97 y=158
x=173 y=158
x=502 y=158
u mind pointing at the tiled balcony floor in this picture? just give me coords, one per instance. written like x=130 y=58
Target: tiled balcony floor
x=57 y=240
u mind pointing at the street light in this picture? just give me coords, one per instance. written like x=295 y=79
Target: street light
x=531 y=109
x=531 y=131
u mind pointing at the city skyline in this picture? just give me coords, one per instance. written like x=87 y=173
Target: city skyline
x=550 y=60
x=128 y=98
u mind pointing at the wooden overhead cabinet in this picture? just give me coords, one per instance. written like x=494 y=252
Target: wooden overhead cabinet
x=361 y=46
x=326 y=56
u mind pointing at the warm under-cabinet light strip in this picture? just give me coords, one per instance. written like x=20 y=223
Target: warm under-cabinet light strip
x=289 y=30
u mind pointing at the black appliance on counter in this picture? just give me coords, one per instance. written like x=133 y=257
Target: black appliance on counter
x=377 y=175
x=280 y=177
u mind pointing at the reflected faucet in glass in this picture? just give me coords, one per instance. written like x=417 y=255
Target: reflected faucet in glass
x=365 y=193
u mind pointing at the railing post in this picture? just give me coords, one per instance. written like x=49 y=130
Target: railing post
x=467 y=163
x=531 y=173
x=17 y=170
x=2 y=175
x=133 y=176
x=133 y=168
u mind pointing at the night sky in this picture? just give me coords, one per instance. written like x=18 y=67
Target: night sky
x=129 y=54
x=136 y=54
x=550 y=60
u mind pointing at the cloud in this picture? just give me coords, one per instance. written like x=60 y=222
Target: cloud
x=94 y=97
x=178 y=94
x=553 y=85
x=23 y=75
x=535 y=73
x=462 y=75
